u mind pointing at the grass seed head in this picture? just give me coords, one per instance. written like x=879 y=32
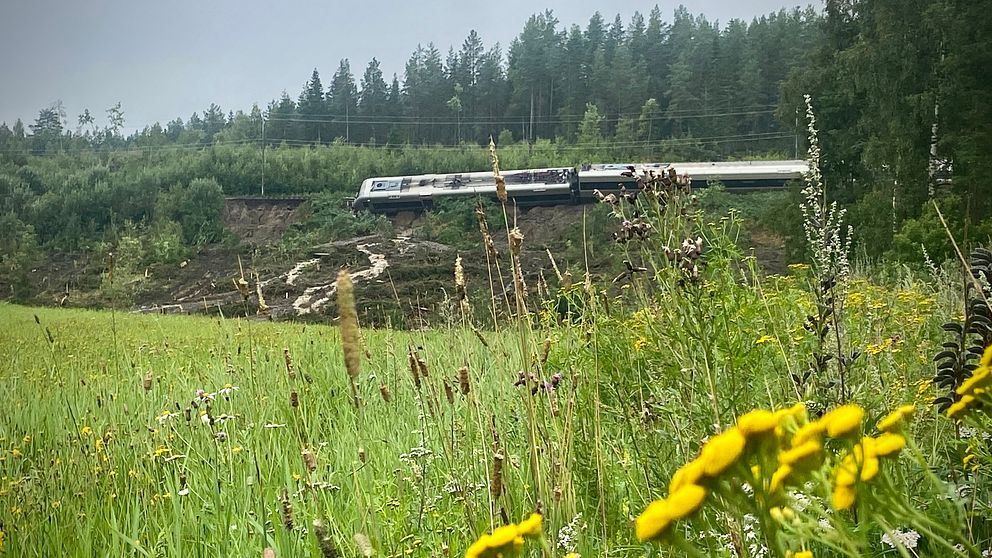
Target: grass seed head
x=348 y=324
x=364 y=545
x=290 y=372
x=323 y=536
x=286 y=509
x=309 y=459
x=464 y=384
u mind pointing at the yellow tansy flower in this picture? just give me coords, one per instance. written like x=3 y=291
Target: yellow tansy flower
x=958 y=409
x=659 y=515
x=722 y=451
x=530 y=527
x=842 y=497
x=843 y=420
x=690 y=473
x=808 y=455
x=894 y=420
x=809 y=431
x=889 y=444
x=756 y=422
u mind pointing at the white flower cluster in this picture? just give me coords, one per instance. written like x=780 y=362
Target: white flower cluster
x=754 y=545
x=901 y=539
x=568 y=536
x=823 y=223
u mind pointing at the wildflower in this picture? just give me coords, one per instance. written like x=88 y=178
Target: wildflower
x=221 y=436
x=888 y=444
x=722 y=451
x=659 y=515
x=842 y=497
x=16 y=452
x=800 y=554
x=957 y=410
x=779 y=477
x=506 y=541
x=843 y=420
x=764 y=339
x=690 y=473
x=640 y=343
x=903 y=539
x=894 y=420
x=531 y=526
x=227 y=389
x=978 y=382
x=756 y=422
x=808 y=431
x=236 y=450
x=85 y=431
x=807 y=455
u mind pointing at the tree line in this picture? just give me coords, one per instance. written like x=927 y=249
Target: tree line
x=639 y=80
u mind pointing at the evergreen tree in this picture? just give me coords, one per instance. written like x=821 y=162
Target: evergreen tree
x=372 y=103
x=311 y=109
x=342 y=100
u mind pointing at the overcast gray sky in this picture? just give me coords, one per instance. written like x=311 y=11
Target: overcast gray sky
x=164 y=59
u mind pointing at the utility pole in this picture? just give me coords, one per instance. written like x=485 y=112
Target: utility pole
x=263 y=155
x=531 y=139
x=797 y=133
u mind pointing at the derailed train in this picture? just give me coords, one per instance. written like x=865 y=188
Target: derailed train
x=563 y=185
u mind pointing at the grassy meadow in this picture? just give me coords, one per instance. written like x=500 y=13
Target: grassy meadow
x=691 y=406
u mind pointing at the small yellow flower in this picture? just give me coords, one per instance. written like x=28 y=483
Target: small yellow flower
x=806 y=456
x=27 y=439
x=957 y=410
x=889 y=444
x=655 y=520
x=722 y=451
x=690 y=473
x=843 y=497
x=640 y=343
x=16 y=452
x=236 y=450
x=800 y=554
x=757 y=422
x=779 y=477
x=893 y=421
x=530 y=527
x=764 y=339
x=978 y=382
x=809 y=431
x=86 y=431
x=843 y=420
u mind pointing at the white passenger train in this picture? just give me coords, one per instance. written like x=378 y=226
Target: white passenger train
x=564 y=185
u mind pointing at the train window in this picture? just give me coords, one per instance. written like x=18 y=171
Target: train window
x=385 y=185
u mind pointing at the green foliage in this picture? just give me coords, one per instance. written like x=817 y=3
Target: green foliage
x=19 y=253
x=331 y=219
x=453 y=221
x=197 y=207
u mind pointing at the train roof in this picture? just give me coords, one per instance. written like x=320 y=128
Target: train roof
x=467 y=182
x=702 y=169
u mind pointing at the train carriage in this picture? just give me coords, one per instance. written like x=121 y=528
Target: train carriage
x=562 y=185
x=549 y=186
